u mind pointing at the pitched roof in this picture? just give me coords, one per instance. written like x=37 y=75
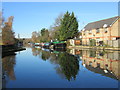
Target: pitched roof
x=100 y=71
x=99 y=24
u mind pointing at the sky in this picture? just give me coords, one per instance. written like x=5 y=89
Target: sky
x=33 y=16
x=61 y=0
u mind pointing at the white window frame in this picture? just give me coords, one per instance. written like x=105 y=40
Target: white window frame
x=105 y=30
x=98 y=30
x=90 y=32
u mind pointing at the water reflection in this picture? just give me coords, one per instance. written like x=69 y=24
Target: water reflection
x=63 y=66
x=45 y=55
x=35 y=51
x=67 y=66
x=8 y=63
x=104 y=62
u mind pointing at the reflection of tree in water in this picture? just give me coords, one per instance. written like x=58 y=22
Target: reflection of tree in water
x=35 y=51
x=41 y=53
x=54 y=58
x=8 y=63
x=45 y=55
x=68 y=65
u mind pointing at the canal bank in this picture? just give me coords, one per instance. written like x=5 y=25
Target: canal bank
x=11 y=48
x=7 y=50
x=14 y=50
x=94 y=47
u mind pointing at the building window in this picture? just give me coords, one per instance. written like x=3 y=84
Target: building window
x=105 y=30
x=83 y=33
x=97 y=30
x=80 y=37
x=90 y=32
x=117 y=38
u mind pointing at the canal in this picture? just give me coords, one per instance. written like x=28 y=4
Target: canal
x=43 y=68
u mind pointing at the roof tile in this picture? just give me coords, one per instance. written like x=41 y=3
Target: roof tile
x=99 y=24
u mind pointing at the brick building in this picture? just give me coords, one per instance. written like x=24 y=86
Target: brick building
x=103 y=32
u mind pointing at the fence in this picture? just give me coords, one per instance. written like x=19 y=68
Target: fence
x=113 y=43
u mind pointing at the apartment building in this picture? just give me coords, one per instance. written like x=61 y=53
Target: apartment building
x=103 y=32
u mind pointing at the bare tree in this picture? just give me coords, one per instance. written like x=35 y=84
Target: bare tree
x=54 y=29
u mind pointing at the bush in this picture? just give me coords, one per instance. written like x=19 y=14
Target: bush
x=68 y=43
x=92 y=42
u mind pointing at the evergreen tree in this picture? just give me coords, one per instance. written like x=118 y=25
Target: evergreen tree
x=69 y=26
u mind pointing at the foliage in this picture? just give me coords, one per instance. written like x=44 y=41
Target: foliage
x=92 y=42
x=68 y=43
x=44 y=35
x=41 y=36
x=64 y=27
x=35 y=37
x=7 y=32
x=55 y=28
x=69 y=26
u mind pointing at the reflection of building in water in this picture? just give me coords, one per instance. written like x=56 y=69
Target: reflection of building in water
x=8 y=63
x=106 y=62
x=75 y=52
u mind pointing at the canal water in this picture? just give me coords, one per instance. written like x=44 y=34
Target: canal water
x=43 y=68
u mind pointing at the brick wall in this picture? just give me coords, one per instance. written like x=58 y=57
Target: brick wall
x=111 y=34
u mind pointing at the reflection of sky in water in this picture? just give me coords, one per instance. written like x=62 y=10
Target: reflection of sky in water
x=34 y=72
